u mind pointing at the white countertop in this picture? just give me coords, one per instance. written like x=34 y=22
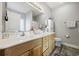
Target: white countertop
x=6 y=43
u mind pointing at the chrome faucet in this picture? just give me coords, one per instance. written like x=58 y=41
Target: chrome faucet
x=23 y=34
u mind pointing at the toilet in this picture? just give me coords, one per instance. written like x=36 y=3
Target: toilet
x=58 y=42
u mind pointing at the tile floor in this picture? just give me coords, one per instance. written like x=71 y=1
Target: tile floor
x=65 y=51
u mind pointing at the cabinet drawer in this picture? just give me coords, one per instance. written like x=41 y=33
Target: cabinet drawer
x=37 y=42
x=37 y=51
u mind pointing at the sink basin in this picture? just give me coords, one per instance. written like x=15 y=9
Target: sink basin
x=28 y=35
x=38 y=32
x=18 y=37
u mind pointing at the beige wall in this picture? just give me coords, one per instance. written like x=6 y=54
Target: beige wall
x=65 y=12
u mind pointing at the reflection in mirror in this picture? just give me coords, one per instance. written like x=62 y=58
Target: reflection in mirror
x=18 y=21
x=51 y=25
x=22 y=24
x=20 y=16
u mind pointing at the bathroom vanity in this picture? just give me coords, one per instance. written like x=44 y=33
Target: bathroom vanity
x=37 y=45
x=19 y=18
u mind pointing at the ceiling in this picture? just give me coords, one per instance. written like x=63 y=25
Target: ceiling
x=54 y=4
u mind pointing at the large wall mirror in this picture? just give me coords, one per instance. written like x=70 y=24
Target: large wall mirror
x=18 y=18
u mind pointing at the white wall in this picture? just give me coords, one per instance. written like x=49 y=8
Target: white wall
x=0 y=20
x=0 y=17
x=65 y=12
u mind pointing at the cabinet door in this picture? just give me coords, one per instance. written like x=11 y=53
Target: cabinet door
x=28 y=53
x=45 y=43
x=51 y=43
x=37 y=51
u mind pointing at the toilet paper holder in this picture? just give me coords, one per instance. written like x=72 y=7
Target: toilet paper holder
x=67 y=36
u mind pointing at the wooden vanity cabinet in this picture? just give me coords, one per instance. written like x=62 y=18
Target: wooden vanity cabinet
x=37 y=47
x=51 y=45
x=18 y=49
x=37 y=51
x=23 y=49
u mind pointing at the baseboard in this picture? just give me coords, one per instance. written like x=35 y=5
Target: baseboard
x=70 y=45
